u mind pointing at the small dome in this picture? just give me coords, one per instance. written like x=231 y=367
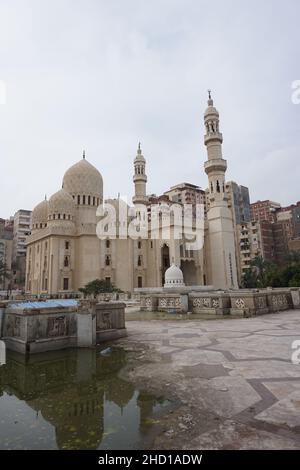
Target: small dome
x=83 y=178
x=61 y=206
x=139 y=156
x=173 y=277
x=40 y=215
x=210 y=110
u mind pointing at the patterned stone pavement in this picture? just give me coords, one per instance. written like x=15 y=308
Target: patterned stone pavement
x=234 y=379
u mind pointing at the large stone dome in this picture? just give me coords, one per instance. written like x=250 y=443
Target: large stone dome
x=40 y=215
x=83 y=179
x=61 y=206
x=173 y=277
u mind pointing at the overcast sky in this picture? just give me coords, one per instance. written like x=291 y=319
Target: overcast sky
x=101 y=75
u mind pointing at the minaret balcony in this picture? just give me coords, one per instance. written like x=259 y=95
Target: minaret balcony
x=215 y=164
x=140 y=178
x=213 y=136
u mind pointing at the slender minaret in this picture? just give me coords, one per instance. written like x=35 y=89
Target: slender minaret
x=139 y=178
x=221 y=242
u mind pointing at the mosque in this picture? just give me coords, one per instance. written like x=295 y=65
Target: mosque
x=64 y=251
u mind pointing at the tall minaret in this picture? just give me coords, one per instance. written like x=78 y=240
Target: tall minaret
x=221 y=240
x=139 y=178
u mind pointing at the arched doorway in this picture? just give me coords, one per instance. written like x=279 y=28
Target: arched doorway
x=165 y=261
x=189 y=271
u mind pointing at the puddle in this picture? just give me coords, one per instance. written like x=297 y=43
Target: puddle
x=75 y=399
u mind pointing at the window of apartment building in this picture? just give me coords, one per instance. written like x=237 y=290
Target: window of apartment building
x=140 y=281
x=66 y=261
x=107 y=280
x=66 y=283
x=139 y=244
x=67 y=245
x=107 y=243
x=140 y=260
x=107 y=260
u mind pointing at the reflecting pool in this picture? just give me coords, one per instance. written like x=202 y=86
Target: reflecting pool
x=75 y=399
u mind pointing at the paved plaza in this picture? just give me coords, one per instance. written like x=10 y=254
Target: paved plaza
x=233 y=379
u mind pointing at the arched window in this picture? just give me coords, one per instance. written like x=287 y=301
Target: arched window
x=83 y=200
x=66 y=262
x=211 y=188
x=218 y=186
x=78 y=199
x=89 y=200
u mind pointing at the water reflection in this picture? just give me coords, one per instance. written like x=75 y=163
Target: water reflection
x=72 y=400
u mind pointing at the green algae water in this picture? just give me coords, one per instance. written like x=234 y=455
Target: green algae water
x=75 y=399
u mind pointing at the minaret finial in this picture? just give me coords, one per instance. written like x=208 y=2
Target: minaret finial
x=139 y=148
x=83 y=154
x=209 y=94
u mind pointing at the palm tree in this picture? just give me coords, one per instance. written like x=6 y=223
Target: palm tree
x=260 y=266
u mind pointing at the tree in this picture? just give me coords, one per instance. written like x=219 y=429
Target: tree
x=259 y=265
x=293 y=258
x=98 y=286
x=263 y=274
x=249 y=280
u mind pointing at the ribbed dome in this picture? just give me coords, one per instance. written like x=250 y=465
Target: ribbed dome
x=84 y=179
x=40 y=214
x=61 y=203
x=173 y=277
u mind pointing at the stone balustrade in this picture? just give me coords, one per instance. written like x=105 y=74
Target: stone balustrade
x=242 y=302
x=216 y=303
x=172 y=303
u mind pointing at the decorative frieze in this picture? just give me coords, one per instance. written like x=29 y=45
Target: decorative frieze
x=279 y=299
x=216 y=303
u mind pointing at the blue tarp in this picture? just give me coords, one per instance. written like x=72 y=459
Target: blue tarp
x=46 y=304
